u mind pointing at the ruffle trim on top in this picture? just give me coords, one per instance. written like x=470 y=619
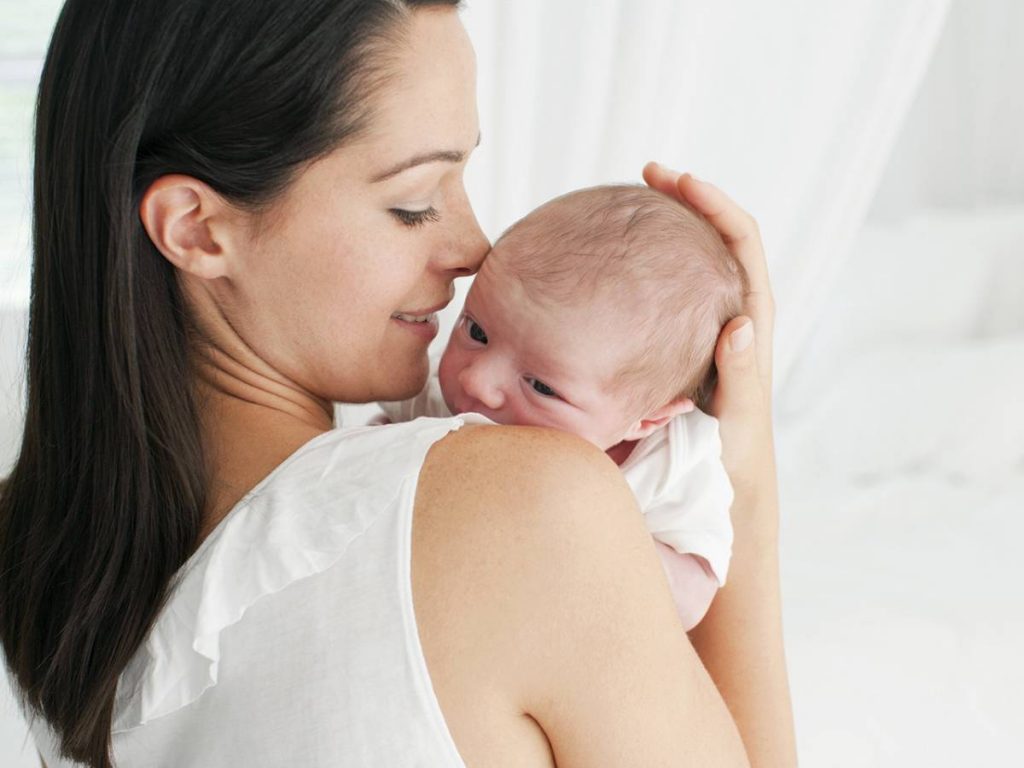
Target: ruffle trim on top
x=297 y=522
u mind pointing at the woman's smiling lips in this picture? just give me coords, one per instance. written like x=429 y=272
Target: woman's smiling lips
x=422 y=322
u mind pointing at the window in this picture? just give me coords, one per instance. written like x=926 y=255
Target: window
x=25 y=29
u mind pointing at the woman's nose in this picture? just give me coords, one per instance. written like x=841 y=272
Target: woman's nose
x=479 y=381
x=469 y=244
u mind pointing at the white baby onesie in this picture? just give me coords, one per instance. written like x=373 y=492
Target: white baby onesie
x=676 y=474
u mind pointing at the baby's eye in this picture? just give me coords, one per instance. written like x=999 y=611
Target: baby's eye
x=476 y=333
x=541 y=388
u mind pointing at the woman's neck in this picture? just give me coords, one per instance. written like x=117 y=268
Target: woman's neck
x=249 y=425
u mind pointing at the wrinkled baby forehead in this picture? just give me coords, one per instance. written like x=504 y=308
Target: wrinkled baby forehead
x=577 y=213
x=607 y=220
x=629 y=248
x=609 y=236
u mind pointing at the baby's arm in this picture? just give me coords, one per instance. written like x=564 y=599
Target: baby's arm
x=691 y=581
x=688 y=514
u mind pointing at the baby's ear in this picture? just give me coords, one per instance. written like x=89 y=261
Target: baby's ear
x=658 y=418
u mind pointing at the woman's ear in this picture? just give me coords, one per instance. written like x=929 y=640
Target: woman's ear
x=190 y=224
x=658 y=418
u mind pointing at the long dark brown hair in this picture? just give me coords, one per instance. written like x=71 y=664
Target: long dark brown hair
x=104 y=502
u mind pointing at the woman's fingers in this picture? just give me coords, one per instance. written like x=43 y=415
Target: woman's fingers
x=662 y=179
x=738 y=228
x=741 y=402
x=741 y=235
x=739 y=385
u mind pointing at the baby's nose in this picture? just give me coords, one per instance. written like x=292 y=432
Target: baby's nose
x=480 y=382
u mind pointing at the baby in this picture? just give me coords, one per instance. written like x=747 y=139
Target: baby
x=598 y=314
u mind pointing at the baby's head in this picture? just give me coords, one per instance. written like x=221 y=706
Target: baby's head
x=597 y=314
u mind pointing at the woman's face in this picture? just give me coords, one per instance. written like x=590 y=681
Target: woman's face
x=372 y=235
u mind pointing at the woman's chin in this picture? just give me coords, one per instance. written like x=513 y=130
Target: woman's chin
x=405 y=382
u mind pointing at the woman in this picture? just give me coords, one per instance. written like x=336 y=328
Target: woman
x=244 y=210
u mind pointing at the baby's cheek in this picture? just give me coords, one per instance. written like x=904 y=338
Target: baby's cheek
x=593 y=432
x=538 y=417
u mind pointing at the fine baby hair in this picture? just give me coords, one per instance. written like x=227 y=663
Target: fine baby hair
x=639 y=251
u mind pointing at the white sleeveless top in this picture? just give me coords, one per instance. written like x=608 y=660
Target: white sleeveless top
x=289 y=638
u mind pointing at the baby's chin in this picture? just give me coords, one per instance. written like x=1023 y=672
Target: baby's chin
x=457 y=410
x=451 y=401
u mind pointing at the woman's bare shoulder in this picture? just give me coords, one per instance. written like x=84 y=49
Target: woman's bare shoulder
x=506 y=480
x=485 y=456
x=543 y=613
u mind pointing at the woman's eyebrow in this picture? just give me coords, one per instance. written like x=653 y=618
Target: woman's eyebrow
x=446 y=156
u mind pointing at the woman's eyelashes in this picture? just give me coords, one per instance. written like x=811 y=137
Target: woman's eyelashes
x=416 y=218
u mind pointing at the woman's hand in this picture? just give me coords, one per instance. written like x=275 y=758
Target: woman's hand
x=742 y=399
x=740 y=640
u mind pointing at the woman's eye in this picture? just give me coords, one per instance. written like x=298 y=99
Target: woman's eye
x=541 y=388
x=416 y=218
x=476 y=333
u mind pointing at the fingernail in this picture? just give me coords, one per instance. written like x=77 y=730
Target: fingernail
x=741 y=338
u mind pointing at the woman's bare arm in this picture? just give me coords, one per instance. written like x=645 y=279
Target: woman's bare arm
x=537 y=582
x=740 y=639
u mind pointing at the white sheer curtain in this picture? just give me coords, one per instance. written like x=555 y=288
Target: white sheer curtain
x=961 y=145
x=791 y=107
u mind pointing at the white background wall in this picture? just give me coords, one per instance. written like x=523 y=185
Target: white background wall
x=879 y=145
